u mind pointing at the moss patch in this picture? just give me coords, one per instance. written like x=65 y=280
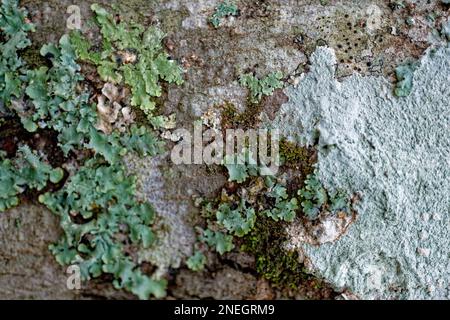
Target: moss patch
x=33 y=57
x=233 y=119
x=281 y=268
x=294 y=155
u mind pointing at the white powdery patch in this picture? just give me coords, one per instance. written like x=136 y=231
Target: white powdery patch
x=395 y=154
x=175 y=238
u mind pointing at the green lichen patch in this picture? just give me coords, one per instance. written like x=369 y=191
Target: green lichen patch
x=197 y=261
x=102 y=220
x=238 y=221
x=131 y=55
x=316 y=199
x=284 y=207
x=26 y=172
x=254 y=208
x=223 y=10
x=261 y=87
x=217 y=240
x=102 y=197
x=14 y=37
x=405 y=78
x=249 y=195
x=59 y=105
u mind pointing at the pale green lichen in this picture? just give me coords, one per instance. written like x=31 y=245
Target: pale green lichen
x=134 y=56
x=239 y=221
x=14 y=29
x=261 y=87
x=240 y=167
x=60 y=106
x=196 y=262
x=26 y=171
x=220 y=241
x=235 y=215
x=99 y=194
x=285 y=207
x=103 y=196
x=405 y=76
x=393 y=154
x=223 y=10
x=315 y=199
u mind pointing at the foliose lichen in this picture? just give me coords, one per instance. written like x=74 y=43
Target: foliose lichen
x=96 y=204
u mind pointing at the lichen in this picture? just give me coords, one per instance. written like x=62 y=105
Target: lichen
x=14 y=30
x=405 y=76
x=197 y=261
x=98 y=211
x=234 y=217
x=134 y=56
x=392 y=153
x=261 y=87
x=223 y=10
x=26 y=172
x=97 y=243
x=316 y=199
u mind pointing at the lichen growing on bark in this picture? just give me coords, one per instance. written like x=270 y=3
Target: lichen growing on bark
x=393 y=153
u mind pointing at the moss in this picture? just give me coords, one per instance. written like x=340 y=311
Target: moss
x=171 y=21
x=265 y=242
x=292 y=154
x=232 y=119
x=300 y=161
x=33 y=57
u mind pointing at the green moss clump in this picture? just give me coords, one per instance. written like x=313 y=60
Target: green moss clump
x=292 y=154
x=33 y=57
x=231 y=118
x=265 y=242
